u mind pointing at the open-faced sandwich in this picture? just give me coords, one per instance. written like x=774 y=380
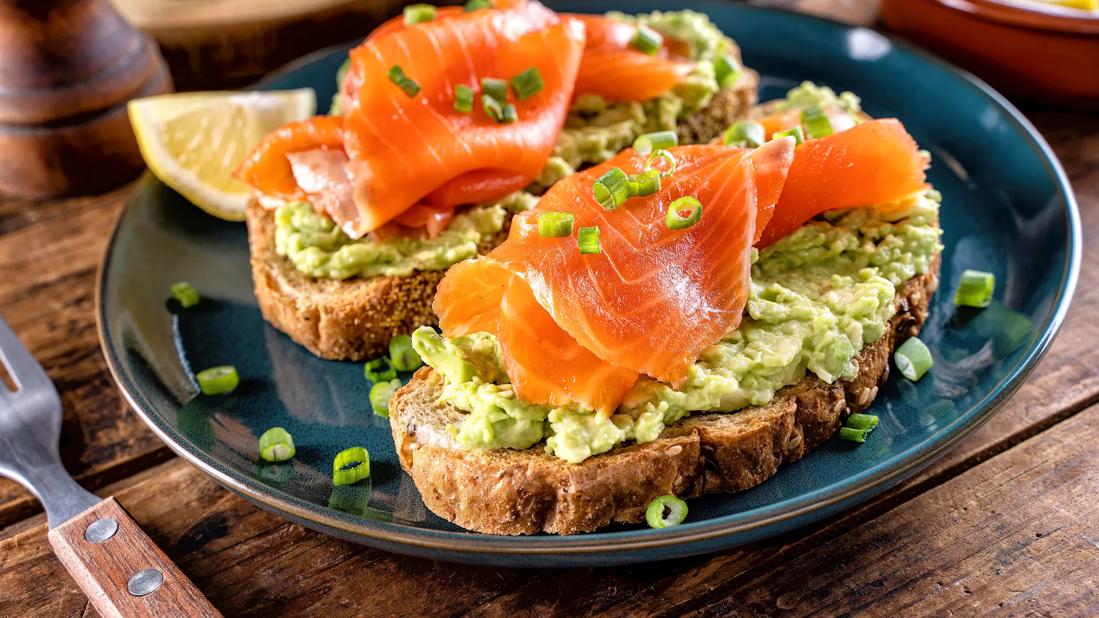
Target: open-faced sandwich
x=673 y=323
x=447 y=122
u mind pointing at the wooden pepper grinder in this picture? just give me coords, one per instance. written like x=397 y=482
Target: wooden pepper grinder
x=67 y=69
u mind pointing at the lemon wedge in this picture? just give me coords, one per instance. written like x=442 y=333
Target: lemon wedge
x=195 y=141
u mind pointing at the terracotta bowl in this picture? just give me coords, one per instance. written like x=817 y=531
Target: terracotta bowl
x=1026 y=49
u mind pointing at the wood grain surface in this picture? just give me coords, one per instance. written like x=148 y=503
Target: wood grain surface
x=1006 y=524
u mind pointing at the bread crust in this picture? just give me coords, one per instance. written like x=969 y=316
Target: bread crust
x=354 y=319
x=348 y=319
x=525 y=492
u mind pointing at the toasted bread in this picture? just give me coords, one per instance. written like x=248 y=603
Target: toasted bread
x=354 y=319
x=526 y=492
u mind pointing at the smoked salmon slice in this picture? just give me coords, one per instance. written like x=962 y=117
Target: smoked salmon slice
x=874 y=162
x=403 y=148
x=616 y=71
x=649 y=302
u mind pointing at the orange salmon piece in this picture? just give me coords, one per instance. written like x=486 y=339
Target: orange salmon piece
x=403 y=148
x=616 y=71
x=875 y=162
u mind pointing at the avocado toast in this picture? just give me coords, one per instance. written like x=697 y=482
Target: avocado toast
x=344 y=293
x=525 y=423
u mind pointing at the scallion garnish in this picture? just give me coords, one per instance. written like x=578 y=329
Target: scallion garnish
x=463 y=98
x=645 y=183
x=666 y=511
x=912 y=358
x=852 y=435
x=745 y=134
x=683 y=213
x=508 y=114
x=380 y=394
x=475 y=5
x=397 y=76
x=657 y=140
x=495 y=88
x=276 y=444
x=588 y=240
x=401 y=354
x=218 y=380
x=379 y=370
x=418 y=13
x=866 y=422
x=351 y=466
x=726 y=71
x=492 y=107
x=654 y=162
x=612 y=188
x=816 y=123
x=975 y=289
x=185 y=294
x=527 y=83
x=796 y=132
x=555 y=224
x=646 y=40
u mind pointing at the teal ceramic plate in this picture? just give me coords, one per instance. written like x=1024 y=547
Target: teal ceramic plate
x=1007 y=208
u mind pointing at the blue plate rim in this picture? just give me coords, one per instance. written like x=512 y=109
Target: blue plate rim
x=871 y=480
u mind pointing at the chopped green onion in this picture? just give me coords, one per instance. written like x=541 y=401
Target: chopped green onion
x=379 y=370
x=527 y=83
x=397 y=76
x=276 y=444
x=380 y=394
x=495 y=88
x=184 y=294
x=351 y=466
x=418 y=13
x=852 y=435
x=218 y=380
x=797 y=133
x=555 y=224
x=476 y=5
x=657 y=140
x=508 y=114
x=492 y=107
x=865 y=422
x=975 y=289
x=646 y=40
x=816 y=123
x=645 y=183
x=661 y=155
x=912 y=358
x=745 y=134
x=676 y=219
x=588 y=240
x=666 y=511
x=463 y=98
x=401 y=354
x=726 y=71
x=612 y=188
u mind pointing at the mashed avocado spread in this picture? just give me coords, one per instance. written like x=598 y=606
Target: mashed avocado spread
x=817 y=297
x=595 y=130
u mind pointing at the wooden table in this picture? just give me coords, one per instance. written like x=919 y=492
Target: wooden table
x=1007 y=523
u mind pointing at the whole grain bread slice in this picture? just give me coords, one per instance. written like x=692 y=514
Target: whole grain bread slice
x=525 y=492
x=354 y=319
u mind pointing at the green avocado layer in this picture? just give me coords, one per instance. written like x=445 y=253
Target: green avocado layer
x=817 y=298
x=594 y=131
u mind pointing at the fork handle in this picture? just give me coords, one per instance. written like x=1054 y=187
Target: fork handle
x=120 y=568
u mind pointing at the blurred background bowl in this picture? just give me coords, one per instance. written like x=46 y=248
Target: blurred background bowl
x=1027 y=49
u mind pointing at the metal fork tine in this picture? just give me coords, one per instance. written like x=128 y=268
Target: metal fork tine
x=26 y=371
